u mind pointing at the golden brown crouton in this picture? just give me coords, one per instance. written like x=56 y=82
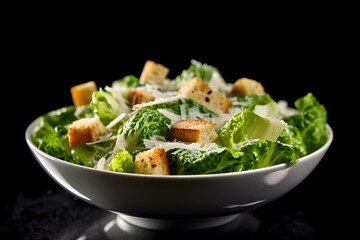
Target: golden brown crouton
x=200 y=131
x=153 y=161
x=82 y=94
x=85 y=130
x=246 y=86
x=153 y=73
x=137 y=96
x=200 y=92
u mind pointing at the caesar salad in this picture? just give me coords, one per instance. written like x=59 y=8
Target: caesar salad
x=195 y=123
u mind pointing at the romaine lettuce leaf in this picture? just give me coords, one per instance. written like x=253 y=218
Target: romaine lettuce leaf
x=250 y=101
x=196 y=69
x=292 y=136
x=123 y=162
x=252 y=155
x=129 y=81
x=108 y=104
x=50 y=134
x=61 y=116
x=90 y=154
x=247 y=125
x=84 y=111
x=311 y=120
x=186 y=161
x=144 y=124
x=264 y=153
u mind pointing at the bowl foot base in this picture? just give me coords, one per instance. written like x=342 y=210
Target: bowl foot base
x=168 y=224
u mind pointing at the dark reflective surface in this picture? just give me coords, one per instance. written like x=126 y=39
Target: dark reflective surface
x=55 y=214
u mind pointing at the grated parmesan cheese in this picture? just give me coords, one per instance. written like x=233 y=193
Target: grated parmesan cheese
x=156 y=101
x=151 y=143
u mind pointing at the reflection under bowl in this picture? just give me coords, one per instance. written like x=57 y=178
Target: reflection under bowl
x=181 y=201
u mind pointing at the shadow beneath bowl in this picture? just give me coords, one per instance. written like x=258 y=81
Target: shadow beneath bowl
x=166 y=224
x=125 y=227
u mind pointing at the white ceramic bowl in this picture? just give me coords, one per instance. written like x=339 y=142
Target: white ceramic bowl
x=190 y=201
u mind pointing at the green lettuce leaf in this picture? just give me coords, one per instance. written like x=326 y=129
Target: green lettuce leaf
x=292 y=136
x=123 y=162
x=186 y=162
x=264 y=153
x=253 y=154
x=247 y=125
x=250 y=101
x=129 y=81
x=144 y=124
x=108 y=104
x=201 y=70
x=311 y=121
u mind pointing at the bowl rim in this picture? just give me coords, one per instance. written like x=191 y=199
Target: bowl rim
x=277 y=167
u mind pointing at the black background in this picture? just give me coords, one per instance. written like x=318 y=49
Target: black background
x=44 y=62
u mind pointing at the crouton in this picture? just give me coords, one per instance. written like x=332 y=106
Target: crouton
x=153 y=73
x=246 y=86
x=85 y=130
x=153 y=161
x=82 y=94
x=137 y=96
x=200 y=92
x=199 y=130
